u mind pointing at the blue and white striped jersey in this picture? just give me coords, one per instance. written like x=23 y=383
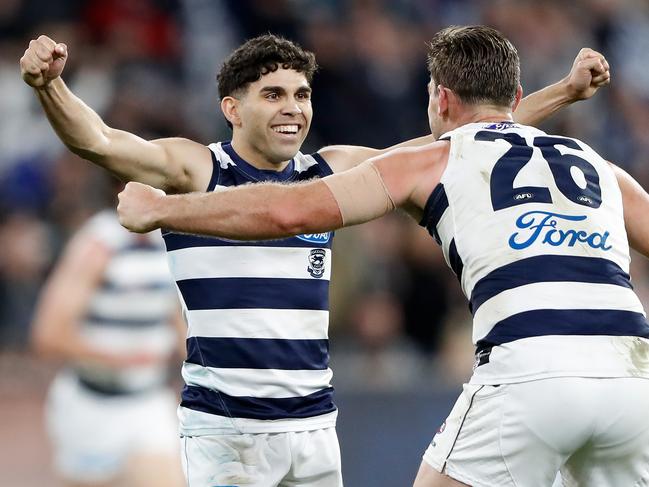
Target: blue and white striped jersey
x=533 y=227
x=257 y=312
x=130 y=310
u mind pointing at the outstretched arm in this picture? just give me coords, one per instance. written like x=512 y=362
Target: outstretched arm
x=250 y=212
x=177 y=165
x=404 y=177
x=589 y=72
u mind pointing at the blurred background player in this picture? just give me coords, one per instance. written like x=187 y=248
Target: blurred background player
x=109 y=314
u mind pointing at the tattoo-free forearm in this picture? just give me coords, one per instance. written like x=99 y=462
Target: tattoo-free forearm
x=252 y=212
x=542 y=104
x=77 y=125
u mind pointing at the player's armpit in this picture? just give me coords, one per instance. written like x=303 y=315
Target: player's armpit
x=635 y=201
x=360 y=193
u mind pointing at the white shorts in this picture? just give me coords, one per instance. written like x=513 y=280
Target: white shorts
x=93 y=434
x=304 y=459
x=595 y=430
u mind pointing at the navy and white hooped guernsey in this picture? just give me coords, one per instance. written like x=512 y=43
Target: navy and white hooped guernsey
x=258 y=315
x=533 y=227
x=131 y=308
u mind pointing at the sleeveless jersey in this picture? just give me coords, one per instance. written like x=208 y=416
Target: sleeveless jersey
x=533 y=227
x=130 y=310
x=257 y=314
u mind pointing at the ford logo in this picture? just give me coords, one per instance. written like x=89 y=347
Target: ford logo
x=318 y=238
x=545 y=227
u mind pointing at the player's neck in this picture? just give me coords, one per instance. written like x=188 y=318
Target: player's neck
x=485 y=113
x=255 y=157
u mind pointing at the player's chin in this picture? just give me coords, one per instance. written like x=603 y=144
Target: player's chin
x=287 y=148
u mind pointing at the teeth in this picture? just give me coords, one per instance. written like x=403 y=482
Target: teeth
x=286 y=129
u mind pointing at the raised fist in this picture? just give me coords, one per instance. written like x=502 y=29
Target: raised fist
x=589 y=72
x=43 y=61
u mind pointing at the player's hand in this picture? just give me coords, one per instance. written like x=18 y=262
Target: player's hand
x=43 y=61
x=589 y=72
x=138 y=206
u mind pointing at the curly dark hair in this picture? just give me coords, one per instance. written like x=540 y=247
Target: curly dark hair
x=477 y=62
x=260 y=56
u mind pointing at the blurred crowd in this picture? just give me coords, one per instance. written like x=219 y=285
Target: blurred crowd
x=149 y=66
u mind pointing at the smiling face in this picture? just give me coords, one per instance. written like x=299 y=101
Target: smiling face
x=270 y=118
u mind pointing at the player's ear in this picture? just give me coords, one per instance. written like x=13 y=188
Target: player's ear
x=230 y=109
x=519 y=97
x=443 y=100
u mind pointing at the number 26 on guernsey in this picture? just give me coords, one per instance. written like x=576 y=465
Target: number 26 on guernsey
x=505 y=195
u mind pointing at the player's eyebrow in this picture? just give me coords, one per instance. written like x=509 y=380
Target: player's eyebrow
x=304 y=89
x=271 y=89
x=281 y=90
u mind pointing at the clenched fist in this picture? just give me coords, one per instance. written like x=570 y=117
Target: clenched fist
x=137 y=207
x=589 y=72
x=43 y=61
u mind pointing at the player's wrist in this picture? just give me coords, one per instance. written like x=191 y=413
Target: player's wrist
x=572 y=91
x=564 y=92
x=48 y=86
x=161 y=212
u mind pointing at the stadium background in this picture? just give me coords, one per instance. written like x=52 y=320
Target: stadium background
x=400 y=327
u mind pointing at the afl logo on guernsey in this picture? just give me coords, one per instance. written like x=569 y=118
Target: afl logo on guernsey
x=317 y=238
x=316 y=265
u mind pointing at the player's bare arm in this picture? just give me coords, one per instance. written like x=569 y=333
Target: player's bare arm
x=250 y=212
x=589 y=72
x=343 y=157
x=635 y=202
x=176 y=164
x=403 y=177
x=411 y=174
